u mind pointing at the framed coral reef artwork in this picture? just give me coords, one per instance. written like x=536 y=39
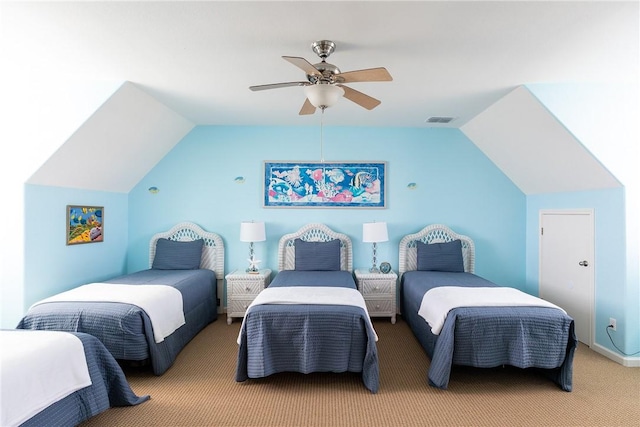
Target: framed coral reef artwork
x=324 y=184
x=85 y=224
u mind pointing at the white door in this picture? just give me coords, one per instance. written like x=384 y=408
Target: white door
x=566 y=266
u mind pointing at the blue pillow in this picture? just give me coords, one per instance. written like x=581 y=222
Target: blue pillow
x=317 y=256
x=441 y=257
x=173 y=255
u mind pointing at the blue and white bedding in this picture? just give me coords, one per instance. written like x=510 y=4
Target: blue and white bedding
x=53 y=361
x=308 y=337
x=162 y=303
x=438 y=301
x=486 y=336
x=107 y=386
x=126 y=330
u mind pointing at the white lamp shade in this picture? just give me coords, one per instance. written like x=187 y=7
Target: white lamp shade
x=252 y=231
x=374 y=232
x=323 y=95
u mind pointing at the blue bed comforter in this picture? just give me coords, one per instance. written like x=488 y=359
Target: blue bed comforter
x=484 y=337
x=108 y=388
x=308 y=338
x=125 y=329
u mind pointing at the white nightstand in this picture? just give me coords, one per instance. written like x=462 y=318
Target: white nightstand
x=379 y=292
x=242 y=288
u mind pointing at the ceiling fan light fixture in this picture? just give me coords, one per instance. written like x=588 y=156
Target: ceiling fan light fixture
x=323 y=95
x=325 y=83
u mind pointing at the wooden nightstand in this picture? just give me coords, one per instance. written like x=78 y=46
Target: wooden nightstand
x=379 y=292
x=242 y=288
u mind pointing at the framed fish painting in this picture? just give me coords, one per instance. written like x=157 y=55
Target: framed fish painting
x=85 y=224
x=324 y=184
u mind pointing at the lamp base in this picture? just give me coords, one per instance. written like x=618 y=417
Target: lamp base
x=374 y=270
x=252 y=270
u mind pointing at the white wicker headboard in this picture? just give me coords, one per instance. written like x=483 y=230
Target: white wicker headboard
x=313 y=233
x=435 y=233
x=212 y=250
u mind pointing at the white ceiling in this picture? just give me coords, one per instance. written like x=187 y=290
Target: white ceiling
x=535 y=150
x=446 y=58
x=128 y=135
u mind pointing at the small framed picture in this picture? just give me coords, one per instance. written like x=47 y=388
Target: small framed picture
x=85 y=224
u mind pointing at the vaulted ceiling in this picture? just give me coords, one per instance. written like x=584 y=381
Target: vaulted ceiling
x=447 y=58
x=191 y=63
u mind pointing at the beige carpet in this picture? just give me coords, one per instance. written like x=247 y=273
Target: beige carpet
x=200 y=390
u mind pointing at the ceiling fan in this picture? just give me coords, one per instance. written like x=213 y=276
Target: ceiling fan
x=325 y=82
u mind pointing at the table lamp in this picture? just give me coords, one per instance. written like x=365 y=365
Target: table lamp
x=251 y=231
x=374 y=232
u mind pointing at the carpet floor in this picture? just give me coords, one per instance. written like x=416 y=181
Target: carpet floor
x=200 y=390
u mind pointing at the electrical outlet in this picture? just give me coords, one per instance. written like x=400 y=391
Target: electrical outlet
x=612 y=323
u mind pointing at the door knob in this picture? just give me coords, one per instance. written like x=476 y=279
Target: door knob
x=584 y=263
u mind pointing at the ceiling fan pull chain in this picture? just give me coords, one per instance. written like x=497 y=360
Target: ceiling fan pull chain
x=321 y=135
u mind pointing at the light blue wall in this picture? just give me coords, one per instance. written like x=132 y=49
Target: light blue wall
x=50 y=265
x=609 y=263
x=456 y=185
x=604 y=118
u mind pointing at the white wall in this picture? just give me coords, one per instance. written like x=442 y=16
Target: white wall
x=37 y=117
x=604 y=117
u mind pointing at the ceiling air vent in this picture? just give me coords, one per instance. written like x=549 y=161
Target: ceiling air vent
x=439 y=119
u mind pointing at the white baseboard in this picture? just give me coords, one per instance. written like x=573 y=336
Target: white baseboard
x=628 y=361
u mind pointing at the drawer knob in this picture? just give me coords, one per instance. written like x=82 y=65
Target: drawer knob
x=247 y=288
x=377 y=306
x=376 y=287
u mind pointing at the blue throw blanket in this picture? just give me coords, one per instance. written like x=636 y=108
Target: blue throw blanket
x=308 y=338
x=109 y=388
x=535 y=337
x=126 y=329
x=484 y=337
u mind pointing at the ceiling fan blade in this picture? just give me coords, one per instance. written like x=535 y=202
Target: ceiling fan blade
x=379 y=74
x=360 y=98
x=278 y=85
x=303 y=64
x=307 y=108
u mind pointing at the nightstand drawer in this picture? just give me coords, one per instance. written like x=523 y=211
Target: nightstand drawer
x=377 y=287
x=242 y=288
x=239 y=305
x=246 y=287
x=380 y=306
x=379 y=292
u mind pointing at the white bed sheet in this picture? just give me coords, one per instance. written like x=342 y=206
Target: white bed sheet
x=327 y=295
x=162 y=303
x=438 y=301
x=38 y=368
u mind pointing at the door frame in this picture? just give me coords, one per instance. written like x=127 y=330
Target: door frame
x=590 y=212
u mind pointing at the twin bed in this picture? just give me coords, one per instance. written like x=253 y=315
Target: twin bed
x=187 y=258
x=303 y=323
x=493 y=326
x=311 y=318
x=58 y=378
